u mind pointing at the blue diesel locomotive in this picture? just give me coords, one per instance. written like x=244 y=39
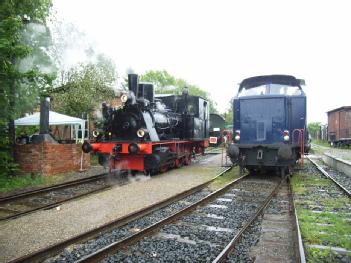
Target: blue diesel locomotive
x=269 y=124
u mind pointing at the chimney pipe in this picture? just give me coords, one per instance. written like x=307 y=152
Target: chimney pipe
x=44 y=135
x=44 y=114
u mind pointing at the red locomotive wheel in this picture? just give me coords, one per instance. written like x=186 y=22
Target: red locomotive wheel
x=177 y=163
x=164 y=169
x=187 y=160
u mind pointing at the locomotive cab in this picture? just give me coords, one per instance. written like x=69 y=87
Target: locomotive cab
x=269 y=123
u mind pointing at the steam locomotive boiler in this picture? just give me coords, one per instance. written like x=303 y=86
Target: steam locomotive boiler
x=151 y=134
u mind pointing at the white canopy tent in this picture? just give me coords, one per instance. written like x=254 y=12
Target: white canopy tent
x=55 y=119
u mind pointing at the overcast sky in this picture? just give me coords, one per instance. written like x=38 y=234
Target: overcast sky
x=216 y=44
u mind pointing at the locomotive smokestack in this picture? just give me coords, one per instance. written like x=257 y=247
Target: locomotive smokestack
x=133 y=83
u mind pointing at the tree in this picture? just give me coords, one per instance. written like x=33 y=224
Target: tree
x=314 y=129
x=84 y=87
x=228 y=115
x=25 y=68
x=167 y=84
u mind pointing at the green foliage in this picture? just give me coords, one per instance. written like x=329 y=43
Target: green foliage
x=18 y=182
x=167 y=84
x=228 y=115
x=84 y=87
x=225 y=178
x=25 y=67
x=314 y=128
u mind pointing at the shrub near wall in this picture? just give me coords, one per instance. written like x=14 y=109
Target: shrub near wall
x=48 y=159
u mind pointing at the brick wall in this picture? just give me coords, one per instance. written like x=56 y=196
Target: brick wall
x=48 y=159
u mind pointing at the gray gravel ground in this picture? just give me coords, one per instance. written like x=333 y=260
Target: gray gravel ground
x=340 y=177
x=20 y=236
x=200 y=236
x=74 y=253
x=344 y=154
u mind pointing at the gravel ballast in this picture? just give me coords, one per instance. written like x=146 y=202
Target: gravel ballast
x=24 y=235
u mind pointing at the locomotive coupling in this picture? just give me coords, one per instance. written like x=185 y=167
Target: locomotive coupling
x=86 y=147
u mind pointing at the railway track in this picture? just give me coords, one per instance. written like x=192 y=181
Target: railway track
x=109 y=229
x=342 y=181
x=48 y=197
x=195 y=224
x=324 y=209
x=20 y=204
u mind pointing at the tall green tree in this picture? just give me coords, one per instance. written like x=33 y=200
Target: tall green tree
x=313 y=129
x=84 y=87
x=165 y=83
x=25 y=68
x=228 y=115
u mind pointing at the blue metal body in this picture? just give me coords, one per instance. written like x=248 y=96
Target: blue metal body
x=261 y=120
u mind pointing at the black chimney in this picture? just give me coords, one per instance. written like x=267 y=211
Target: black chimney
x=44 y=134
x=44 y=115
x=133 y=83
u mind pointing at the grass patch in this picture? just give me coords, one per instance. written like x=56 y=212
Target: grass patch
x=225 y=178
x=317 y=255
x=321 y=143
x=94 y=159
x=17 y=182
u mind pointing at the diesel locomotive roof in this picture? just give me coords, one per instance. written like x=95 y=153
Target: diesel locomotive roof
x=270 y=79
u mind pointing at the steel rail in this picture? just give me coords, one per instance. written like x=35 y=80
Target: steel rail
x=55 y=248
x=300 y=249
x=331 y=178
x=52 y=205
x=231 y=245
x=6 y=199
x=114 y=247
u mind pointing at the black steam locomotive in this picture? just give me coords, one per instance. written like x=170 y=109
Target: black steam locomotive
x=149 y=133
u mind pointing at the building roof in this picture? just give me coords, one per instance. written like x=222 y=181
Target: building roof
x=340 y=109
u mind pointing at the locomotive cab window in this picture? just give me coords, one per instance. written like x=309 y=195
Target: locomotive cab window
x=271 y=89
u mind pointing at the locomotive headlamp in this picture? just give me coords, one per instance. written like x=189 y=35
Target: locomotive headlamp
x=141 y=133
x=95 y=133
x=133 y=148
x=124 y=98
x=286 y=136
x=237 y=136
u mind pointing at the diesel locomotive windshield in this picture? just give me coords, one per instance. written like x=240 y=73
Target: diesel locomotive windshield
x=270 y=89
